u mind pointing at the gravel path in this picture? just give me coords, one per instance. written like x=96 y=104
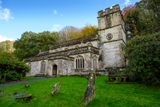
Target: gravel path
x=23 y=81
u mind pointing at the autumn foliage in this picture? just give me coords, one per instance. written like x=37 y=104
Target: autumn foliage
x=71 y=33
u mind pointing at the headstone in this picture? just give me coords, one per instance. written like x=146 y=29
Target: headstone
x=116 y=75
x=1 y=92
x=56 y=88
x=27 y=85
x=22 y=96
x=90 y=91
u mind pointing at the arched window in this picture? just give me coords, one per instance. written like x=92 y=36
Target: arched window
x=43 y=65
x=29 y=64
x=95 y=63
x=79 y=62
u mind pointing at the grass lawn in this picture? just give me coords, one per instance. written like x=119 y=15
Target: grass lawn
x=72 y=91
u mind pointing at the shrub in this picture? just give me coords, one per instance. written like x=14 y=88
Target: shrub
x=143 y=53
x=11 y=68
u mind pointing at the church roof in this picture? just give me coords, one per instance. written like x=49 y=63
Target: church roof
x=74 y=42
x=64 y=44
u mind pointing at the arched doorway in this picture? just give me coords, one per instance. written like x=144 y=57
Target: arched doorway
x=54 y=70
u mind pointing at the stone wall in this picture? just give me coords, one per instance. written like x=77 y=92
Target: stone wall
x=64 y=67
x=66 y=61
x=117 y=33
x=112 y=54
x=34 y=68
x=88 y=61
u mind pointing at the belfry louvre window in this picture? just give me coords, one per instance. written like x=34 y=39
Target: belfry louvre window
x=79 y=62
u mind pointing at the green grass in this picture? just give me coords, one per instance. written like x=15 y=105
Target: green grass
x=72 y=91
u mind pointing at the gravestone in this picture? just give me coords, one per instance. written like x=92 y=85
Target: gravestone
x=115 y=75
x=1 y=92
x=56 y=88
x=27 y=85
x=22 y=96
x=89 y=94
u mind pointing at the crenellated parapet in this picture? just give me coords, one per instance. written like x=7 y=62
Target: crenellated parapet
x=109 y=17
x=107 y=11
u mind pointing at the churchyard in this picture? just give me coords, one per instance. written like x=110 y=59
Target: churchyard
x=115 y=63
x=71 y=93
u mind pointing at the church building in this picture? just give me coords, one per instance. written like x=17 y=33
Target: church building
x=102 y=51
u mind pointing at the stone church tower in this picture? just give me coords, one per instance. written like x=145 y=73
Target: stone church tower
x=112 y=36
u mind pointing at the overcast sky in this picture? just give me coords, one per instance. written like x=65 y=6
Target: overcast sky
x=18 y=16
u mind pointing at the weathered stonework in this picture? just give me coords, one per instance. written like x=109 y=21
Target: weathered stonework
x=110 y=23
x=102 y=51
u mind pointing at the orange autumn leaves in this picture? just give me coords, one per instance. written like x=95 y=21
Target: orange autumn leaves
x=71 y=33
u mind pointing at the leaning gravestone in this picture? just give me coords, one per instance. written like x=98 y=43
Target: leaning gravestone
x=56 y=88
x=90 y=91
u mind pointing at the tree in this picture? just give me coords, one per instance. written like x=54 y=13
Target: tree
x=89 y=31
x=127 y=9
x=142 y=18
x=11 y=68
x=131 y=17
x=143 y=54
x=47 y=39
x=69 y=33
x=154 y=6
x=31 y=43
x=6 y=46
x=26 y=46
x=147 y=21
